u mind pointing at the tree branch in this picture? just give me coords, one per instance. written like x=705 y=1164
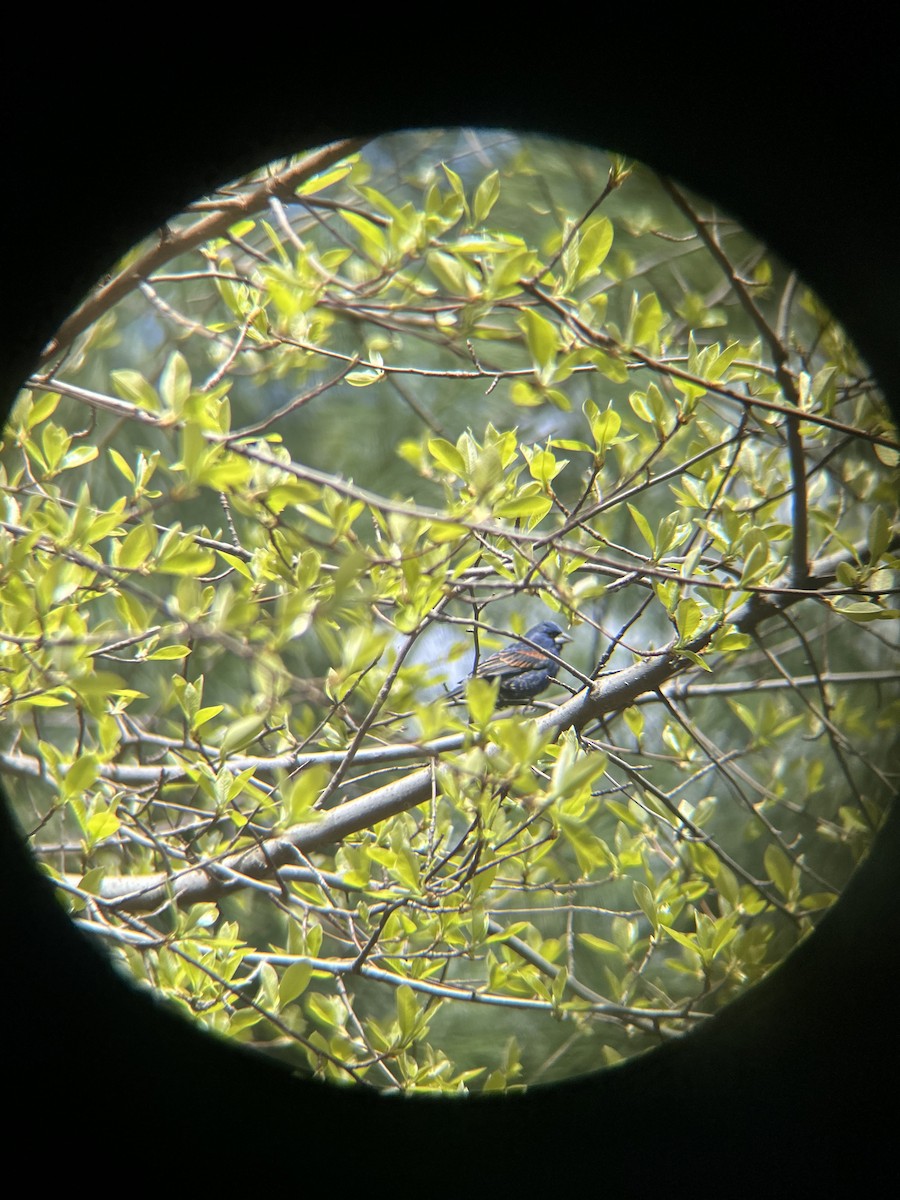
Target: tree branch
x=800 y=544
x=610 y=694
x=283 y=185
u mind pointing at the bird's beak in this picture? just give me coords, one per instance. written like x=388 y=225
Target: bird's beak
x=563 y=637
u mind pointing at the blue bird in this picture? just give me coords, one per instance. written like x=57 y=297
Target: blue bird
x=522 y=670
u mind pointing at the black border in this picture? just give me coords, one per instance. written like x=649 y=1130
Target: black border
x=793 y=1085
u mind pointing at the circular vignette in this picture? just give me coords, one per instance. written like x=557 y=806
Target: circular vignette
x=810 y=1075
x=585 y=886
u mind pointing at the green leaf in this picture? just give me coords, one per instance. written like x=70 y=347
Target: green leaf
x=644 y=526
x=166 y=653
x=91 y=880
x=102 y=824
x=79 y=457
x=122 y=465
x=457 y=185
x=407 y=1011
x=81 y=775
x=847 y=575
x=319 y=183
x=780 y=869
x=187 y=559
x=267 y=995
x=591 y=852
x=599 y=944
x=818 y=900
x=55 y=441
x=729 y=641
x=47 y=700
x=374 y=244
x=544 y=466
x=42 y=408
x=132 y=386
x=237 y=563
x=695 y=658
x=536 y=506
x=644 y=898
x=203 y=715
x=242 y=732
x=609 y=365
x=453 y=275
x=688 y=940
x=136 y=547
x=648 y=320
x=559 y=985
x=486 y=196
x=879 y=535
x=867 y=610
x=605 y=427
x=641 y=407
x=363 y=377
x=594 y=245
x=481 y=698
x=294 y=982
x=448 y=456
x=634 y=719
x=541 y=336
x=688 y=619
x=175 y=383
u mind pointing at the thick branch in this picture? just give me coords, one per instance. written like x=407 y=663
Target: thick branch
x=144 y=893
x=611 y=694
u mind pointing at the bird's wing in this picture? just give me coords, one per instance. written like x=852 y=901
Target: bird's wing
x=510 y=661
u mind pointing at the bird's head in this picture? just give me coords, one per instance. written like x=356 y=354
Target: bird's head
x=550 y=631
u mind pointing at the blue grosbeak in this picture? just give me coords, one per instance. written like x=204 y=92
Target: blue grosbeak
x=523 y=671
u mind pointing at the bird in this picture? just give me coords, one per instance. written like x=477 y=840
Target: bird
x=522 y=670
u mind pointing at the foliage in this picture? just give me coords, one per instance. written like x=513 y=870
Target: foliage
x=349 y=419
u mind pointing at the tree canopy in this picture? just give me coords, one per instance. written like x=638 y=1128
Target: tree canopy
x=316 y=448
